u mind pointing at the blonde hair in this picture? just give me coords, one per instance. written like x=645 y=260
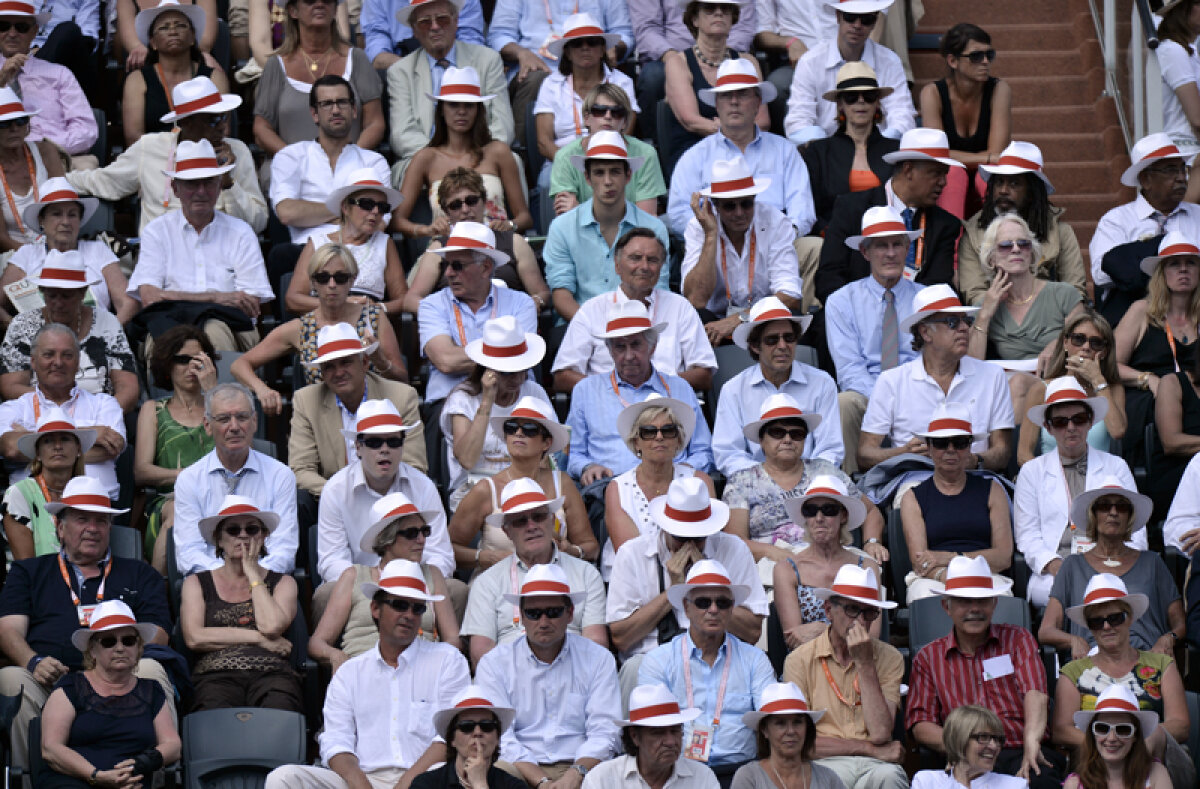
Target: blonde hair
x=291 y=33
x=89 y=660
x=987 y=244
x=649 y=415
x=961 y=723
x=1158 y=298
x=327 y=253
x=1091 y=516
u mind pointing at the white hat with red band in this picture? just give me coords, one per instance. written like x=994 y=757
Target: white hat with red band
x=923 y=145
x=1067 y=389
x=504 y=347
x=681 y=412
x=522 y=495
x=472 y=697
x=970 y=576
x=386 y=511
x=737 y=74
x=111 y=615
x=858 y=584
x=533 y=409
x=1112 y=485
x=377 y=418
x=1018 y=158
x=779 y=406
x=11 y=106
x=1146 y=152
x=707 y=574
x=200 y=95
x=336 y=341
x=780 y=698
x=54 y=420
x=402 y=15
x=145 y=19
x=473 y=237
x=1118 y=698
x=460 y=85
x=859 y=6
x=363 y=179
x=581 y=26
x=545 y=580
x=882 y=221
x=401 y=578
x=931 y=301
x=64 y=270
x=628 y=318
x=1107 y=588
x=231 y=506
x=58 y=190
x=656 y=706
x=196 y=160
x=23 y=8
x=827 y=486
x=609 y=146
x=86 y=494
x=951 y=419
x=687 y=511
x=1174 y=244
x=732 y=178
x=766 y=309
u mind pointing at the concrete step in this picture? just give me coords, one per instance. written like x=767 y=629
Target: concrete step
x=985 y=13
x=1091 y=177
x=1082 y=209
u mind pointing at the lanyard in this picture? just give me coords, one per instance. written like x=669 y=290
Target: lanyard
x=41 y=481
x=12 y=204
x=550 y=15
x=919 y=256
x=687 y=679
x=725 y=270
x=836 y=690
x=37 y=406
x=462 y=334
x=166 y=200
x=62 y=566
x=1070 y=498
x=574 y=109
x=613 y=377
x=1171 y=342
x=516 y=590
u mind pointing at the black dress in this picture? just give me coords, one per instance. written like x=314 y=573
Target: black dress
x=679 y=139
x=1168 y=470
x=1153 y=354
x=156 y=104
x=977 y=142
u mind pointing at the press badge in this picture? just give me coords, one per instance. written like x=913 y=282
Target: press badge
x=699 y=747
x=85 y=613
x=997 y=667
x=1081 y=544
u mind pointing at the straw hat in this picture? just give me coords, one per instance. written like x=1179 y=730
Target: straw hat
x=737 y=74
x=880 y=222
x=236 y=505
x=827 y=486
x=780 y=698
x=1173 y=244
x=386 y=511
x=858 y=584
x=687 y=511
x=1143 y=506
x=1019 y=157
x=86 y=494
x=628 y=318
x=971 y=577
x=11 y=106
x=337 y=341
x=522 y=495
x=732 y=178
x=503 y=347
x=54 y=420
x=534 y=409
x=1067 y=390
x=856 y=77
x=1107 y=588
x=23 y=8
x=472 y=697
x=110 y=615
x=768 y=308
x=655 y=706
x=401 y=578
x=199 y=95
x=923 y=145
x=707 y=574
x=1146 y=152
x=1117 y=698
x=580 y=26
x=545 y=580
x=406 y=11
x=377 y=418
x=951 y=419
x=460 y=85
x=609 y=146
x=681 y=412
x=859 y=6
x=58 y=190
x=776 y=407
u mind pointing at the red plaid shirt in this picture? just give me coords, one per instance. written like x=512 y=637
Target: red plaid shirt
x=944 y=678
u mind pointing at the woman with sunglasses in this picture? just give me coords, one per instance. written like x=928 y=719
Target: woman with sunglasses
x=24 y=166
x=973 y=108
x=346 y=628
x=1112 y=513
x=953 y=513
x=973 y=737
x=1176 y=53
x=332 y=272
x=170 y=432
x=104 y=726
x=531 y=433
x=235 y=616
x=1084 y=350
x=461 y=138
x=462 y=197
x=472 y=726
x=830 y=511
x=1113 y=753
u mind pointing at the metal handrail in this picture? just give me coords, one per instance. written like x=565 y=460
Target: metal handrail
x=1145 y=82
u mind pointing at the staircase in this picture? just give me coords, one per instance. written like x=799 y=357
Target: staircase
x=1049 y=55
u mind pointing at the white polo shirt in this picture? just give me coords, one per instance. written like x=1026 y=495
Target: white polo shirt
x=301 y=171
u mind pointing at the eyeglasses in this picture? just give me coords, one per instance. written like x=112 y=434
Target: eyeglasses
x=865 y=19
x=20 y=27
x=945 y=442
x=1060 y=422
x=1115 y=619
x=517 y=521
x=375 y=442
x=1122 y=730
x=108 y=642
x=458 y=265
x=369 y=205
x=404 y=606
x=251 y=530
x=1168 y=170
x=1079 y=339
x=470 y=200
x=328 y=104
x=600 y=110
x=553 y=612
x=772 y=340
x=426 y=22
x=867 y=613
x=486 y=726
x=18 y=122
x=952 y=321
x=705 y=603
x=866 y=96
x=1023 y=244
x=745 y=204
x=1107 y=503
x=182 y=358
x=716 y=8
x=987 y=738
x=778 y=432
x=171 y=27
x=647 y=432
x=323 y=277
x=981 y=55
x=412 y=532
x=830 y=509
x=530 y=429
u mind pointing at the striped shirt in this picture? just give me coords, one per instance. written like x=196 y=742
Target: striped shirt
x=944 y=678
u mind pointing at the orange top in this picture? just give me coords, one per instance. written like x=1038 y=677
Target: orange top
x=862 y=180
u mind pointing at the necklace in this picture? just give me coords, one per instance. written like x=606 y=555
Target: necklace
x=783 y=784
x=700 y=56
x=1111 y=561
x=1021 y=302
x=312 y=64
x=656 y=490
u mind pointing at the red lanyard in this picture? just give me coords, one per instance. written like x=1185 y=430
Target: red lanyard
x=613 y=377
x=62 y=566
x=836 y=690
x=12 y=204
x=1171 y=342
x=687 y=678
x=462 y=334
x=725 y=270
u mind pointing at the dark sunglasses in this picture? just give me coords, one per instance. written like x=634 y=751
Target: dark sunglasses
x=182 y=358
x=369 y=204
x=251 y=529
x=1112 y=620
x=375 y=442
x=830 y=509
x=705 y=603
x=600 y=110
x=470 y=200
x=412 y=532
x=20 y=27
x=404 y=606
x=468 y=727
x=866 y=19
x=589 y=41
x=458 y=265
x=530 y=429
x=1079 y=339
x=778 y=432
x=1060 y=422
x=323 y=277
x=867 y=613
x=1122 y=730
x=1023 y=244
x=775 y=339
x=952 y=321
x=18 y=122
x=517 y=521
x=745 y=204
x=108 y=642
x=553 y=612
x=980 y=56
x=867 y=96
x=1107 y=503
x=647 y=432
x=945 y=442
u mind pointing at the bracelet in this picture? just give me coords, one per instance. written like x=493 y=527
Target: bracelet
x=256 y=583
x=382 y=306
x=789 y=43
x=978 y=328
x=92 y=781
x=543 y=780
x=1101 y=387
x=477 y=551
x=32 y=665
x=579 y=549
x=1143 y=380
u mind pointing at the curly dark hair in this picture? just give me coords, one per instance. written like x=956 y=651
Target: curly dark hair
x=1040 y=208
x=162 y=358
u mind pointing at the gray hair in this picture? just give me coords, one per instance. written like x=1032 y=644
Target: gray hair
x=226 y=391
x=56 y=328
x=987 y=244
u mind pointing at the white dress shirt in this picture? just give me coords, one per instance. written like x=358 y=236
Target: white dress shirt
x=223 y=257
x=301 y=171
x=811 y=21
x=384 y=715
x=1184 y=515
x=1134 y=222
x=199 y=491
x=682 y=343
x=557 y=97
x=566 y=710
x=622 y=773
x=776 y=269
x=643 y=560
x=345 y=515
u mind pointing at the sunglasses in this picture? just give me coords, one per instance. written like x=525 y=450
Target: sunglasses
x=647 y=432
x=470 y=200
x=775 y=339
x=797 y=434
x=867 y=613
x=529 y=429
x=251 y=530
x=1107 y=503
x=518 y=521
x=600 y=110
x=553 y=612
x=108 y=642
x=1079 y=340
x=457 y=265
x=18 y=122
x=323 y=277
x=1060 y=422
x=865 y=19
x=20 y=27
x=1023 y=244
x=412 y=532
x=980 y=56
x=486 y=726
x=987 y=738
x=952 y=321
x=1122 y=730
x=182 y=358
x=590 y=41
x=945 y=442
x=830 y=509
x=426 y=22
x=745 y=204
x=1112 y=620
x=705 y=603
x=368 y=204
x=865 y=96
x=375 y=442
x=404 y=606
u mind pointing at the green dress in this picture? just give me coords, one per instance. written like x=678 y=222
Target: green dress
x=175 y=446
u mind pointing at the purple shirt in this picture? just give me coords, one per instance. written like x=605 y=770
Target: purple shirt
x=65 y=117
x=658 y=26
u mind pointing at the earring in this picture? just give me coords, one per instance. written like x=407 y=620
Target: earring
x=841 y=117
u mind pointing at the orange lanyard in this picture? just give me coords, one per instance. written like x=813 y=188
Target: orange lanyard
x=462 y=334
x=574 y=109
x=45 y=489
x=550 y=15
x=613 y=377
x=687 y=679
x=162 y=79
x=12 y=204
x=62 y=566
x=919 y=256
x=725 y=270
x=1171 y=342
x=37 y=407
x=836 y=690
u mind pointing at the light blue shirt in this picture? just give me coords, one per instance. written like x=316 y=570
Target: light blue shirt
x=749 y=675
x=524 y=22
x=741 y=403
x=593 y=422
x=854 y=324
x=436 y=72
x=85 y=13
x=437 y=316
x=382 y=32
x=768 y=156
x=579 y=260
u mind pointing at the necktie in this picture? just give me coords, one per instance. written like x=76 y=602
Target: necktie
x=16 y=86
x=233 y=479
x=911 y=260
x=889 y=345
x=437 y=72
x=1160 y=219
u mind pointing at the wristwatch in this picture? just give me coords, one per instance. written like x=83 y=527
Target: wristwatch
x=874 y=540
x=1101 y=387
x=579 y=768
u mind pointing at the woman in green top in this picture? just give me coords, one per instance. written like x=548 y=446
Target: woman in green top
x=56 y=448
x=170 y=431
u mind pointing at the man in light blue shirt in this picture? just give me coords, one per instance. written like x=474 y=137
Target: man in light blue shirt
x=453 y=316
x=715 y=660
x=856 y=315
x=388 y=39
x=580 y=246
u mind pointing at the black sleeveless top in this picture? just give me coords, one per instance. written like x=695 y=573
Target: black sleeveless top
x=977 y=142
x=956 y=523
x=1153 y=353
x=680 y=139
x=156 y=104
